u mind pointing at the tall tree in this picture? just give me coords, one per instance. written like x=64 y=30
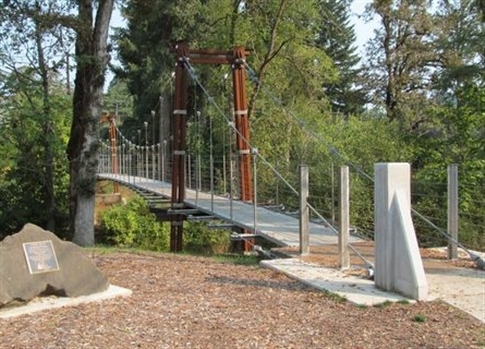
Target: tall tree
x=460 y=43
x=337 y=37
x=92 y=58
x=146 y=63
x=23 y=151
x=31 y=41
x=402 y=58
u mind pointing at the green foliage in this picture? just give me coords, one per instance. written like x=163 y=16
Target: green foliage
x=33 y=167
x=132 y=225
x=237 y=259
x=420 y=318
x=118 y=100
x=454 y=135
x=385 y=304
x=336 y=35
x=199 y=238
x=335 y=297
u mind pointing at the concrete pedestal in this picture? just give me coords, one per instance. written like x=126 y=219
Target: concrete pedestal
x=398 y=264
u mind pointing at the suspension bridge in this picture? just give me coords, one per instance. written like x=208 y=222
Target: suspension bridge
x=223 y=192
x=218 y=187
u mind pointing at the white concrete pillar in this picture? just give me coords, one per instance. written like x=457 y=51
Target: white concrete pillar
x=388 y=178
x=398 y=264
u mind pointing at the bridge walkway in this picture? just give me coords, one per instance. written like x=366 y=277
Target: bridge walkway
x=280 y=228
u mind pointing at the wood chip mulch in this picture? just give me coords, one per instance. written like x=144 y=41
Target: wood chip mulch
x=184 y=301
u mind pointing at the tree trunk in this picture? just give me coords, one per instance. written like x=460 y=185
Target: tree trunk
x=49 y=194
x=92 y=58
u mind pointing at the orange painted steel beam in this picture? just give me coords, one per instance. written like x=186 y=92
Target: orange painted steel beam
x=105 y=118
x=210 y=56
x=241 y=119
x=242 y=123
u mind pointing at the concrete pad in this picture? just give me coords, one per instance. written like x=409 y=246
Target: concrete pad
x=355 y=289
x=461 y=288
x=46 y=303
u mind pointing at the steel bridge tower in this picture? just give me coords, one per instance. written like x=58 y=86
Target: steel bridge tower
x=236 y=59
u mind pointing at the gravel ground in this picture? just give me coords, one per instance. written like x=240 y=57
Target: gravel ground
x=184 y=301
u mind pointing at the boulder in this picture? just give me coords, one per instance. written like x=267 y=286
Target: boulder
x=34 y=262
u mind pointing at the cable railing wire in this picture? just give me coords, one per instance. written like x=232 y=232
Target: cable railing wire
x=253 y=76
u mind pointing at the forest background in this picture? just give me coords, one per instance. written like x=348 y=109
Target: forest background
x=414 y=95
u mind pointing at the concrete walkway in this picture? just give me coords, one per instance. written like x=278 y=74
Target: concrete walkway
x=43 y=303
x=459 y=287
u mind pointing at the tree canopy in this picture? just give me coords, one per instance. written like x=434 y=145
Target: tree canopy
x=415 y=95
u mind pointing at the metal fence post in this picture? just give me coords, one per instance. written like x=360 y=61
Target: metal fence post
x=344 y=219
x=304 y=212
x=453 y=211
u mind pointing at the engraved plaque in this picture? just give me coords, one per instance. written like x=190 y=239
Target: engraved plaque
x=41 y=257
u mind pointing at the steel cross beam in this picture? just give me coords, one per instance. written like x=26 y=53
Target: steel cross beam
x=236 y=58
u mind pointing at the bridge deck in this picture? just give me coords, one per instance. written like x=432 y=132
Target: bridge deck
x=280 y=228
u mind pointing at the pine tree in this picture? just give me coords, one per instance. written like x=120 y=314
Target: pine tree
x=337 y=38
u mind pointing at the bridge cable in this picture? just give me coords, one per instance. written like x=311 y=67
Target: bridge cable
x=194 y=76
x=253 y=76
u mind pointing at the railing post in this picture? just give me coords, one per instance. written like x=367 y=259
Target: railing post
x=154 y=163
x=304 y=212
x=343 y=236
x=147 y=173
x=453 y=211
x=255 y=190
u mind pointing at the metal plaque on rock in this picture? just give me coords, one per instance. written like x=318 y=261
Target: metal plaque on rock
x=40 y=256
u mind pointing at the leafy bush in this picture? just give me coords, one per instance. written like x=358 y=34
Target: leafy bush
x=199 y=238
x=133 y=225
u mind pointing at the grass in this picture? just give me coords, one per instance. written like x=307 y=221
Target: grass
x=383 y=305
x=335 y=297
x=108 y=249
x=481 y=343
x=236 y=259
x=419 y=318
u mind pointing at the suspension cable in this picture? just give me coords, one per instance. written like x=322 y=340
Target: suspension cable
x=333 y=150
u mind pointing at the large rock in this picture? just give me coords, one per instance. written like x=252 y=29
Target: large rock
x=73 y=275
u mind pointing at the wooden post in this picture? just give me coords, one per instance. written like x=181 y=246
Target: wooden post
x=344 y=219
x=453 y=211
x=304 y=212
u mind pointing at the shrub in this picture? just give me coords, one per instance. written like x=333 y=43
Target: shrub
x=199 y=238
x=132 y=225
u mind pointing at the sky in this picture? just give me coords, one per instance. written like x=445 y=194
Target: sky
x=363 y=30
